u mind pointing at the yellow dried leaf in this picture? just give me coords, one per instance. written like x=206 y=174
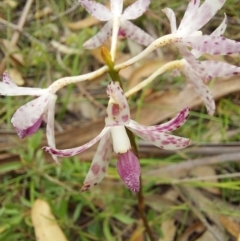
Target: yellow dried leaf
x=16 y=76
x=43 y=12
x=232 y=227
x=45 y=224
x=169 y=230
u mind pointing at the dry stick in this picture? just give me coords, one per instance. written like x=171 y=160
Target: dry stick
x=190 y=202
x=188 y=165
x=16 y=35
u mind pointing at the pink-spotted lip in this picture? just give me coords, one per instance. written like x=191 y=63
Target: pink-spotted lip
x=129 y=170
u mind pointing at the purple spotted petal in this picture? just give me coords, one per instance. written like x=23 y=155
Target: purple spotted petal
x=220 y=69
x=27 y=119
x=217 y=32
x=136 y=9
x=159 y=139
x=135 y=33
x=118 y=110
x=50 y=124
x=129 y=170
x=171 y=125
x=99 y=164
x=195 y=63
x=97 y=10
x=215 y=45
x=100 y=37
x=189 y=13
x=172 y=19
x=76 y=150
x=203 y=14
x=116 y=7
x=200 y=88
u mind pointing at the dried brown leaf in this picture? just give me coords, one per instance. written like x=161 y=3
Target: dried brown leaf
x=169 y=230
x=232 y=227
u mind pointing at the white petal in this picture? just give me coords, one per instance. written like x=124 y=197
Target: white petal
x=172 y=19
x=135 y=33
x=76 y=150
x=159 y=139
x=189 y=13
x=29 y=114
x=200 y=88
x=99 y=164
x=116 y=7
x=136 y=9
x=221 y=28
x=97 y=10
x=204 y=13
x=169 y=126
x=11 y=90
x=118 y=112
x=50 y=124
x=100 y=37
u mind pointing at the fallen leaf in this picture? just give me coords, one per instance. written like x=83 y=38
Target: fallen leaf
x=205 y=171
x=45 y=224
x=169 y=230
x=232 y=227
x=16 y=76
x=46 y=11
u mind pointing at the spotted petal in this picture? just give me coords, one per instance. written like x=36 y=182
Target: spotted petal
x=215 y=45
x=136 y=9
x=135 y=33
x=97 y=10
x=219 y=31
x=172 y=19
x=116 y=7
x=220 y=69
x=118 y=110
x=7 y=79
x=28 y=118
x=171 y=125
x=76 y=150
x=200 y=88
x=100 y=37
x=159 y=139
x=99 y=164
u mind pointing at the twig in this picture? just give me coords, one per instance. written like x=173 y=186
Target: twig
x=193 y=205
x=188 y=165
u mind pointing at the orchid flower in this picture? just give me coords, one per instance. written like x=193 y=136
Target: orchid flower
x=117 y=21
x=114 y=137
x=28 y=118
x=210 y=68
